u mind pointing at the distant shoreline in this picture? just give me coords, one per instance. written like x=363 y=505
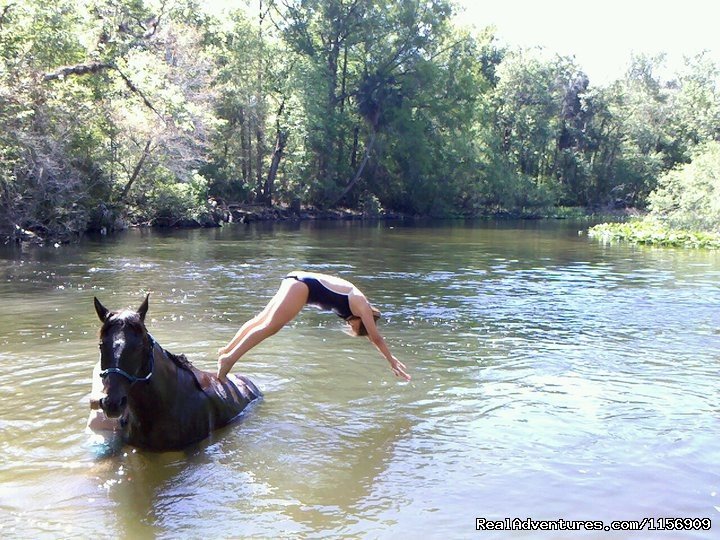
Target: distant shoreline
x=250 y=213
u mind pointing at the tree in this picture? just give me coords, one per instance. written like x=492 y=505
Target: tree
x=694 y=116
x=639 y=107
x=255 y=81
x=140 y=110
x=40 y=189
x=361 y=53
x=541 y=120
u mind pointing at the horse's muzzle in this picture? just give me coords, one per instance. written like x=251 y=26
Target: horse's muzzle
x=113 y=408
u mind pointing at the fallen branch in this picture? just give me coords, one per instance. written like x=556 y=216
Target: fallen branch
x=137 y=91
x=79 y=69
x=95 y=67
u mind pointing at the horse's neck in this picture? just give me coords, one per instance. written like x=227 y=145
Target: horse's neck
x=168 y=412
x=165 y=388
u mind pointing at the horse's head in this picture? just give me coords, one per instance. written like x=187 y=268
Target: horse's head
x=126 y=354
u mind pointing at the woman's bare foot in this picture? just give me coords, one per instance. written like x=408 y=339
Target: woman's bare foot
x=225 y=363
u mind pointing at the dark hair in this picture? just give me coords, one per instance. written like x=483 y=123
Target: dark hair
x=362 y=331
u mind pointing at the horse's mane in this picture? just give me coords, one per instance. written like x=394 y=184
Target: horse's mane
x=180 y=360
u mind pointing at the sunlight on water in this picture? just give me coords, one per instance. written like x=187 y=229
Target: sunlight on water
x=553 y=377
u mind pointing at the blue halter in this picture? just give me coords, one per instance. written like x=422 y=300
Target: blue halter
x=132 y=378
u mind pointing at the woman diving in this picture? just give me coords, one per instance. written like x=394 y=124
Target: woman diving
x=300 y=288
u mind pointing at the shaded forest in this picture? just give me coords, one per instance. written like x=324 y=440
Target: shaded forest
x=155 y=112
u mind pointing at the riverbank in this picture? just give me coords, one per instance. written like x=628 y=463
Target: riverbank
x=216 y=214
x=219 y=213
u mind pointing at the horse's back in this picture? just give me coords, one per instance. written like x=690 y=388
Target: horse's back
x=237 y=387
x=246 y=386
x=228 y=398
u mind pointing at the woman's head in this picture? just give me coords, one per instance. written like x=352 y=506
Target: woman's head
x=358 y=327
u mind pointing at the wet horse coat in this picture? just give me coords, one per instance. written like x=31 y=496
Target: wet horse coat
x=161 y=401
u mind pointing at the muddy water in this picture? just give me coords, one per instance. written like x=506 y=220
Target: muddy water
x=553 y=377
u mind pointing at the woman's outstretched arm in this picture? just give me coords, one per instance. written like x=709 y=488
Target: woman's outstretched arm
x=376 y=339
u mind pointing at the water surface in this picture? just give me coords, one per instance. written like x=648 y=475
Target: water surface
x=553 y=377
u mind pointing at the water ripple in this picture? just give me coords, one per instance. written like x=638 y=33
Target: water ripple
x=547 y=371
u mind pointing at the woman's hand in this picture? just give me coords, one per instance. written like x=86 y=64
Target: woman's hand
x=398 y=368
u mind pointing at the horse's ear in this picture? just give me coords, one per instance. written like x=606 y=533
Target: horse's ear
x=101 y=310
x=142 y=311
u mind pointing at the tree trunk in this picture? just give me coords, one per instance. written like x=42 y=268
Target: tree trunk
x=329 y=124
x=274 y=164
x=355 y=179
x=136 y=171
x=243 y=147
x=280 y=142
x=260 y=193
x=262 y=197
x=341 y=132
x=353 y=155
x=248 y=157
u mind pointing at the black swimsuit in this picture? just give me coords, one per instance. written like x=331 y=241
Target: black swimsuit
x=320 y=295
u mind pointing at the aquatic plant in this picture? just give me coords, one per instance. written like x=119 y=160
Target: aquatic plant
x=648 y=231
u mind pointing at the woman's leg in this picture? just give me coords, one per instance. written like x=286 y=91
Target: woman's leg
x=252 y=323
x=282 y=309
x=249 y=325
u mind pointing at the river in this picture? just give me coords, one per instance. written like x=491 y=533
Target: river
x=553 y=378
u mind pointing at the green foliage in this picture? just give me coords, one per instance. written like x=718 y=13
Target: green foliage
x=689 y=196
x=41 y=189
x=694 y=115
x=172 y=202
x=651 y=232
x=97 y=107
x=360 y=64
x=684 y=208
x=140 y=110
x=570 y=212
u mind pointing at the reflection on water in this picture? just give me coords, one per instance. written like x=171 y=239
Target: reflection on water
x=553 y=377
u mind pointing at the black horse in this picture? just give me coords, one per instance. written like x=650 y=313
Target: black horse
x=157 y=400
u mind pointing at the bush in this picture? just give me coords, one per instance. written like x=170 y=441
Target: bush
x=172 y=203
x=650 y=232
x=689 y=196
